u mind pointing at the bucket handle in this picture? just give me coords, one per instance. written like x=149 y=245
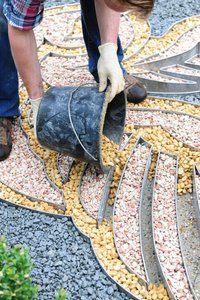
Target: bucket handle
x=72 y=125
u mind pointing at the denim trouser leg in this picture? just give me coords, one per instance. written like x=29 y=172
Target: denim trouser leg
x=9 y=98
x=92 y=37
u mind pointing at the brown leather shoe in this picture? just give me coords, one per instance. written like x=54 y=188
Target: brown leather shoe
x=5 y=138
x=134 y=90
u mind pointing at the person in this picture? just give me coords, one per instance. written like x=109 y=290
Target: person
x=9 y=98
x=100 y=36
x=135 y=91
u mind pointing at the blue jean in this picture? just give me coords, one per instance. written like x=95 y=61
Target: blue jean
x=9 y=98
x=92 y=37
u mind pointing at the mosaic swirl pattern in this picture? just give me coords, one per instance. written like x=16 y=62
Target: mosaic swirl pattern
x=170 y=126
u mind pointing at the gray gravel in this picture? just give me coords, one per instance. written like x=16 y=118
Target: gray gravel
x=192 y=98
x=50 y=3
x=62 y=257
x=165 y=13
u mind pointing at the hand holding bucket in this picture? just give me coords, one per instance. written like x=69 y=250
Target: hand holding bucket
x=72 y=120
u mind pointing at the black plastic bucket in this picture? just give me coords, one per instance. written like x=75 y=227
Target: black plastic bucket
x=71 y=120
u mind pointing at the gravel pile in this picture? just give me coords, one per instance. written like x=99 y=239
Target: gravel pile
x=165 y=13
x=62 y=257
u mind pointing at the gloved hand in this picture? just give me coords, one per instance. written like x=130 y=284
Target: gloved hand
x=35 y=105
x=108 y=67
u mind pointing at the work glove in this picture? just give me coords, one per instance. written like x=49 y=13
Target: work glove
x=108 y=68
x=35 y=105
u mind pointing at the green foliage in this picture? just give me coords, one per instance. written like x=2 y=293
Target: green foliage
x=15 y=268
x=61 y=294
x=15 y=280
